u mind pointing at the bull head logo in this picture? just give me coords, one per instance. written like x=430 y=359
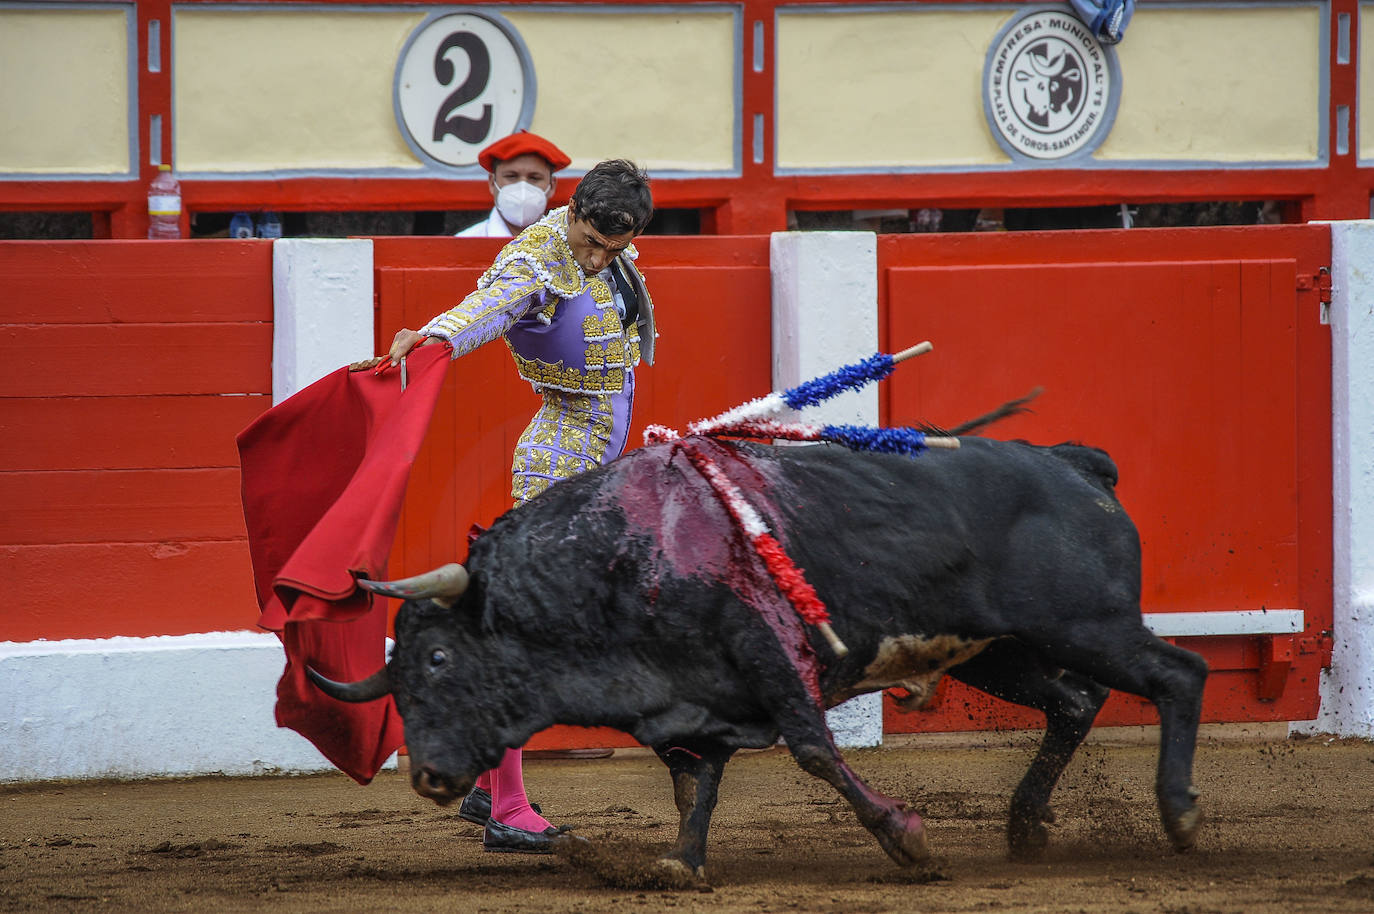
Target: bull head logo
x=1048 y=80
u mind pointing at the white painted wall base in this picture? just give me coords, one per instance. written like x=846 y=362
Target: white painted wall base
x=825 y=314
x=1347 y=689
x=146 y=707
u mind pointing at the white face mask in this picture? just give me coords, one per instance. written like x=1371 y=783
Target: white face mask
x=521 y=203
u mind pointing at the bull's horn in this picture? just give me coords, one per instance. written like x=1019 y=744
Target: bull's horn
x=376 y=686
x=444 y=585
x=1051 y=67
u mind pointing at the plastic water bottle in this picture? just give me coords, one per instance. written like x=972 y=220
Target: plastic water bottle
x=269 y=225
x=164 y=205
x=241 y=226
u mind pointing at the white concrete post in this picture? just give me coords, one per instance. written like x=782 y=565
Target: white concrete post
x=825 y=314
x=322 y=299
x=1347 y=689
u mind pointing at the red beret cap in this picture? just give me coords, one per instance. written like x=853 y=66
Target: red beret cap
x=522 y=143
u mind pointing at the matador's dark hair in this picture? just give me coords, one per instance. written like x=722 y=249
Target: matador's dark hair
x=614 y=197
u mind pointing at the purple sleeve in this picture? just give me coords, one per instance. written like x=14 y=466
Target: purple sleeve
x=486 y=314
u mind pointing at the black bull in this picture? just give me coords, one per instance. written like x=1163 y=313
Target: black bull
x=625 y=598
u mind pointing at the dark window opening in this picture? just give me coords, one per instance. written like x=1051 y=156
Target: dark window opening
x=674 y=222
x=999 y=219
x=399 y=222
x=33 y=226
x=309 y=225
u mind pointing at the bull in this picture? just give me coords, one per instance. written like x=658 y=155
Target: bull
x=625 y=598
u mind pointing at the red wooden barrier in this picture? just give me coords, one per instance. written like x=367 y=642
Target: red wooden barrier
x=712 y=303
x=1197 y=358
x=126 y=369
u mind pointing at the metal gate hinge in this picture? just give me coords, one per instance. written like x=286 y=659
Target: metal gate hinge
x=1319 y=281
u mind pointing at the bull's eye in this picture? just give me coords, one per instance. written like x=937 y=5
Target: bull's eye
x=437 y=658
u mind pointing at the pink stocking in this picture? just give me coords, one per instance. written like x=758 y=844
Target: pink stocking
x=509 y=805
x=484 y=781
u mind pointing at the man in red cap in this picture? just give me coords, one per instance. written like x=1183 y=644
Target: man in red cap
x=522 y=168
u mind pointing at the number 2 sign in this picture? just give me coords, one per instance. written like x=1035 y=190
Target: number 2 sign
x=463 y=80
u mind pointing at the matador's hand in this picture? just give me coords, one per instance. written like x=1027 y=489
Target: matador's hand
x=404 y=341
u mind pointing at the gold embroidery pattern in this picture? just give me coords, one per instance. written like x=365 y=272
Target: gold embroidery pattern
x=600 y=292
x=574 y=438
x=568 y=378
x=543 y=248
x=596 y=447
x=615 y=352
x=523 y=488
x=545 y=433
x=569 y=435
x=603 y=327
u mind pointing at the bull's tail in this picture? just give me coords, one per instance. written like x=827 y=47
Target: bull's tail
x=1010 y=408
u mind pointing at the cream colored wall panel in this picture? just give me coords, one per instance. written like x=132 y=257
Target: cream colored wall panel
x=283 y=90
x=873 y=90
x=659 y=88
x=64 y=91
x=1239 y=84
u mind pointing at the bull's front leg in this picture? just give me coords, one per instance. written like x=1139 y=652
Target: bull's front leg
x=899 y=830
x=696 y=771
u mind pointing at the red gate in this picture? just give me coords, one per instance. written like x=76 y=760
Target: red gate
x=1197 y=358
x=711 y=298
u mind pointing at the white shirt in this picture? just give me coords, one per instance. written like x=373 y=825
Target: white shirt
x=494 y=227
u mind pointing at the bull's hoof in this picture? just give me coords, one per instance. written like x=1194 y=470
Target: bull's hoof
x=905 y=842
x=1026 y=841
x=1181 y=820
x=1027 y=836
x=1182 y=829
x=678 y=874
x=627 y=867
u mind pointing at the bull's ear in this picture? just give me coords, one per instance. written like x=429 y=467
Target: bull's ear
x=444 y=585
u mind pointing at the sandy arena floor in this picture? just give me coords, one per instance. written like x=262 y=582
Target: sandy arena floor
x=1289 y=828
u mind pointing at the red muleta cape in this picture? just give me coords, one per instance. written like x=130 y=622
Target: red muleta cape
x=324 y=477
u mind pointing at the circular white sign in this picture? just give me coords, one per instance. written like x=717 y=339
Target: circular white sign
x=463 y=80
x=1050 y=89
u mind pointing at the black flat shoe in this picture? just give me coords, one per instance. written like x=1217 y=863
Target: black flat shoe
x=507 y=839
x=476 y=807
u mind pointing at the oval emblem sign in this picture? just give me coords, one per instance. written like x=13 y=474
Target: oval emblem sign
x=463 y=80
x=1050 y=90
